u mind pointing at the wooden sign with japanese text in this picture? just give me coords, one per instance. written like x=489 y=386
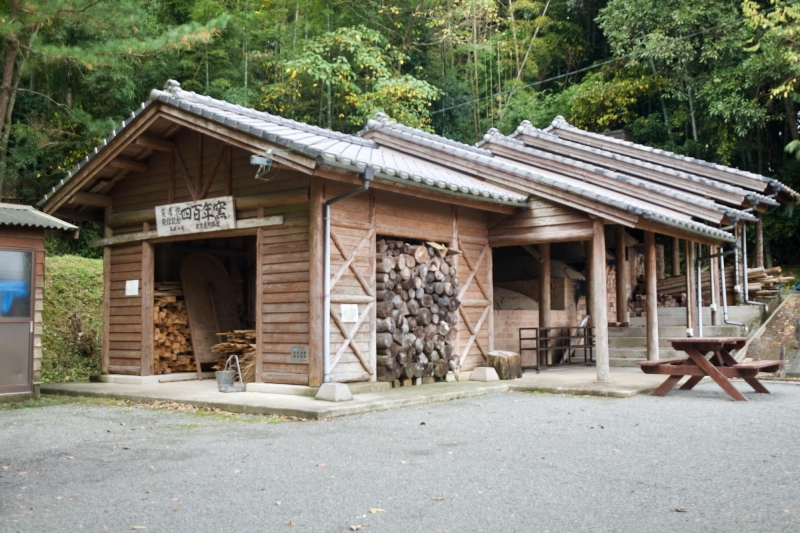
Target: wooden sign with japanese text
x=214 y=214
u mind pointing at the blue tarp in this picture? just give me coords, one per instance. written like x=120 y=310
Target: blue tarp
x=10 y=290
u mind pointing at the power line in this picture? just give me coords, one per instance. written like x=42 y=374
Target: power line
x=606 y=62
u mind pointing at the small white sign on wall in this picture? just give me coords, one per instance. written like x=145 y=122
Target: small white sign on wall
x=349 y=313
x=132 y=287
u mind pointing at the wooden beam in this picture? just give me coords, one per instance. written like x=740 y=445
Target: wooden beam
x=90 y=200
x=242 y=228
x=621 y=268
x=214 y=166
x=533 y=251
x=651 y=296
x=124 y=163
x=154 y=143
x=587 y=253
x=599 y=300
x=545 y=296
x=298 y=196
x=691 y=289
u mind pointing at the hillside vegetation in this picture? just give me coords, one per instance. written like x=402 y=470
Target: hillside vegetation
x=73 y=318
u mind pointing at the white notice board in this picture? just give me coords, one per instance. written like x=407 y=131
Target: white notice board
x=214 y=214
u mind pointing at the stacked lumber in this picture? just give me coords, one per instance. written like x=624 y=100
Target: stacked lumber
x=417 y=304
x=172 y=350
x=761 y=284
x=241 y=342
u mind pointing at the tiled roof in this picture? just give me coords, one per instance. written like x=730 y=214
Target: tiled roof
x=27 y=216
x=481 y=156
x=560 y=123
x=494 y=137
x=348 y=152
x=526 y=128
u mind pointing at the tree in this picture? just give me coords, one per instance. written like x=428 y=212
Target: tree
x=79 y=34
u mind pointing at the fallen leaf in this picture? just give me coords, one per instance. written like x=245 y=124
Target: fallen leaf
x=786 y=511
x=438 y=498
x=291 y=523
x=542 y=457
x=4 y=467
x=58 y=497
x=152 y=468
x=177 y=509
x=125 y=448
x=355 y=527
x=139 y=528
x=422 y=423
x=237 y=472
x=376 y=510
x=680 y=510
x=601 y=426
x=322 y=464
x=618 y=451
x=402 y=462
x=69 y=457
x=22 y=473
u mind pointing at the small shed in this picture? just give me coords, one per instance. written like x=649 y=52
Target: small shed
x=22 y=295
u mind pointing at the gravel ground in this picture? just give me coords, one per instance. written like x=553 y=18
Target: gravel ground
x=693 y=461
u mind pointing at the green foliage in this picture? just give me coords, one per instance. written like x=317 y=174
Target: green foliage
x=343 y=77
x=72 y=315
x=715 y=79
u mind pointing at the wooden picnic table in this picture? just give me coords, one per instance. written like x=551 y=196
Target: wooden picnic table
x=720 y=366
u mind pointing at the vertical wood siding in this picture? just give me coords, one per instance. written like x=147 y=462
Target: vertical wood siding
x=124 y=312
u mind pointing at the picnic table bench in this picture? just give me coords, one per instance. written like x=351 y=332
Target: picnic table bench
x=720 y=366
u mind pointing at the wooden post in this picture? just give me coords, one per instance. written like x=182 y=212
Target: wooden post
x=545 y=297
x=587 y=250
x=691 y=288
x=714 y=273
x=259 y=314
x=621 y=268
x=759 y=241
x=738 y=280
x=599 y=296
x=316 y=344
x=651 y=295
x=148 y=329
x=676 y=256
x=107 y=232
x=660 y=262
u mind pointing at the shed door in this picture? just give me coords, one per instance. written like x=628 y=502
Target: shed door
x=16 y=320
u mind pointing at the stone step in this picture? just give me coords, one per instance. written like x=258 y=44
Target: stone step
x=674 y=331
x=640 y=353
x=732 y=309
x=635 y=342
x=618 y=361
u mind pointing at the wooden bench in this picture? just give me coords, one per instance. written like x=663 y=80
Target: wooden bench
x=720 y=366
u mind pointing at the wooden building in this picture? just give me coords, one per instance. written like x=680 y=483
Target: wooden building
x=22 y=295
x=296 y=215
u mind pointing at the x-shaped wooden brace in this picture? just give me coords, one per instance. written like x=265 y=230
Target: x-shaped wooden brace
x=473 y=330
x=349 y=338
x=348 y=261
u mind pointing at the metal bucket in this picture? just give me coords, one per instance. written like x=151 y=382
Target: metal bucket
x=226 y=379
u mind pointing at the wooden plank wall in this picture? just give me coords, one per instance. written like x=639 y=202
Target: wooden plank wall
x=352 y=229
x=283 y=260
x=124 y=343
x=31 y=239
x=543 y=221
x=476 y=288
x=285 y=296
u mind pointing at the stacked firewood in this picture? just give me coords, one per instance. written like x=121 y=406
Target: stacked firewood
x=241 y=342
x=762 y=284
x=417 y=310
x=172 y=350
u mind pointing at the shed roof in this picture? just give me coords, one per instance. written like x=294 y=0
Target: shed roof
x=326 y=147
x=537 y=181
x=27 y=216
